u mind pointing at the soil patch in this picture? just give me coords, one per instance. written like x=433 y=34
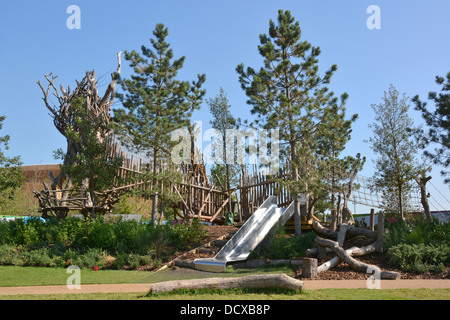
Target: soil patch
x=340 y=272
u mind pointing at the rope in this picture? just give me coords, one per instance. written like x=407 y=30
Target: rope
x=439 y=192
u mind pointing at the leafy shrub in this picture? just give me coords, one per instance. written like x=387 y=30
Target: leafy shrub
x=6 y=251
x=132 y=261
x=88 y=243
x=123 y=206
x=420 y=231
x=38 y=258
x=419 y=257
x=184 y=235
x=282 y=247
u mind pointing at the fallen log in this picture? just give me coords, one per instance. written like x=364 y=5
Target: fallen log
x=281 y=281
x=353 y=251
x=312 y=252
x=353 y=263
x=351 y=232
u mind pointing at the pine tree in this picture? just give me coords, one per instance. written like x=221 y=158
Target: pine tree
x=11 y=175
x=438 y=121
x=155 y=103
x=396 y=165
x=288 y=93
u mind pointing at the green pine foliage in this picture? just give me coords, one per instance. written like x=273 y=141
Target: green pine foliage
x=155 y=104
x=437 y=120
x=288 y=93
x=11 y=176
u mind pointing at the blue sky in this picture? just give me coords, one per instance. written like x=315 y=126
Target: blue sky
x=409 y=50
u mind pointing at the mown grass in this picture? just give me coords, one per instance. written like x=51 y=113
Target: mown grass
x=11 y=276
x=32 y=276
x=252 y=294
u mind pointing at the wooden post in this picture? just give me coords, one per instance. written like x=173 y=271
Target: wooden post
x=380 y=232
x=309 y=268
x=333 y=220
x=372 y=219
x=321 y=253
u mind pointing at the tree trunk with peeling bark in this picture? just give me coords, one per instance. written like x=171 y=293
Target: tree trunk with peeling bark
x=63 y=118
x=353 y=263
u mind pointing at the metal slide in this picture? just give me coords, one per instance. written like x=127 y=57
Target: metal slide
x=252 y=232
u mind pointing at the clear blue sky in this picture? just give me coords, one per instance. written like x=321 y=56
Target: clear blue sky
x=409 y=50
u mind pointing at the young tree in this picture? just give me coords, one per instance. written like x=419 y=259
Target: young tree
x=92 y=167
x=225 y=174
x=11 y=175
x=396 y=165
x=222 y=121
x=438 y=121
x=288 y=93
x=155 y=103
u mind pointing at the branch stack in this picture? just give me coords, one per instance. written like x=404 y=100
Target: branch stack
x=332 y=241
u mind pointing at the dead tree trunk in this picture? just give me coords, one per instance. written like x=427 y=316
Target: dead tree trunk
x=353 y=263
x=422 y=182
x=353 y=251
x=63 y=115
x=334 y=241
x=347 y=214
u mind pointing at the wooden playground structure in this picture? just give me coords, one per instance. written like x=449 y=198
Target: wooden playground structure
x=198 y=197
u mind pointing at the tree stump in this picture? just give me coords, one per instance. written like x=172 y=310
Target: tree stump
x=309 y=268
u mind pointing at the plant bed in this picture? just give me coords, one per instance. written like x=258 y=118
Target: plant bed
x=100 y=244
x=345 y=272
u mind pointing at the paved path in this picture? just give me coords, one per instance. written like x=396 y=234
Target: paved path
x=308 y=285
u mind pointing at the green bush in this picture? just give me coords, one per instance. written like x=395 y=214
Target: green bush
x=419 y=258
x=132 y=261
x=88 y=243
x=185 y=236
x=420 y=231
x=282 y=247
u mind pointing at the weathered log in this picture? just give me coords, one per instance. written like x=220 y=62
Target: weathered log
x=380 y=232
x=312 y=252
x=351 y=232
x=353 y=263
x=353 y=251
x=324 y=232
x=254 y=281
x=341 y=234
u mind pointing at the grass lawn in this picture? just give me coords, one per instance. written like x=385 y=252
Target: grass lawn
x=320 y=294
x=11 y=276
x=32 y=276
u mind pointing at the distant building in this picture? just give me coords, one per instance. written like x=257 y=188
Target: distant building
x=35 y=175
x=443 y=216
